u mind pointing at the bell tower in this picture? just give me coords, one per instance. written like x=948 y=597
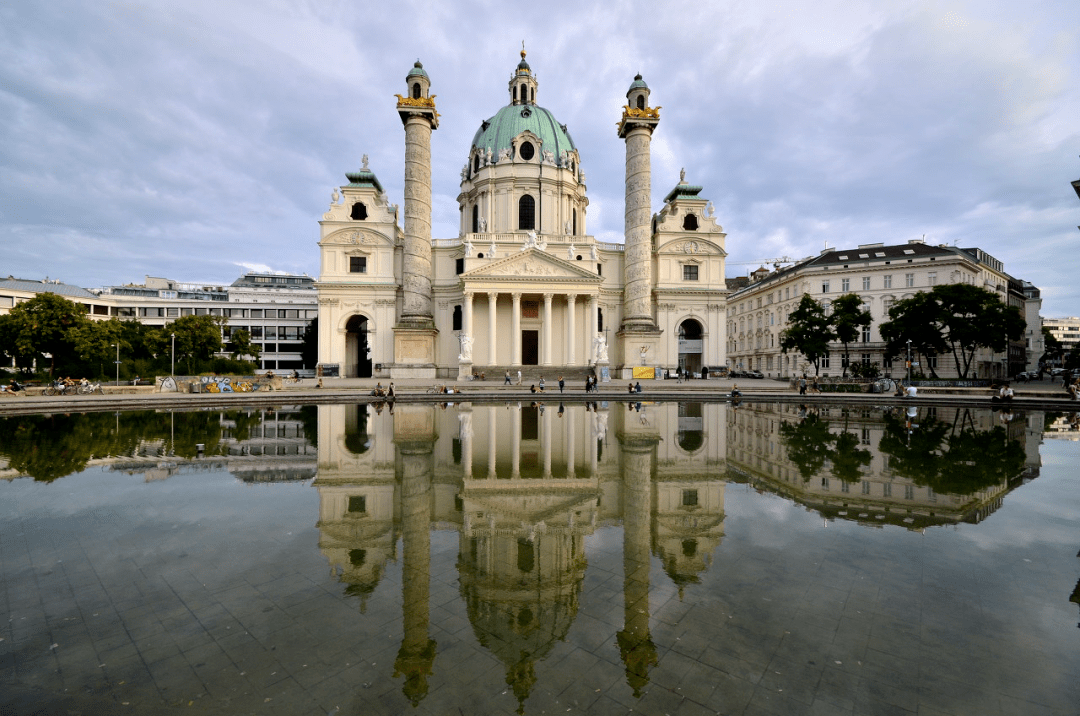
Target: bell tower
x=523 y=83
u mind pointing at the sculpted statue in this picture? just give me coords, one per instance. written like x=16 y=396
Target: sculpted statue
x=710 y=209
x=488 y=155
x=335 y=197
x=599 y=347
x=570 y=251
x=468 y=248
x=465 y=422
x=365 y=161
x=530 y=241
x=491 y=250
x=566 y=228
x=481 y=223
x=682 y=176
x=464 y=173
x=600 y=426
x=504 y=154
x=581 y=175
x=592 y=253
x=466 y=348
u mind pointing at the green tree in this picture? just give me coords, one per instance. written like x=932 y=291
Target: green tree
x=847 y=320
x=95 y=341
x=976 y=318
x=919 y=320
x=198 y=338
x=808 y=332
x=242 y=347
x=847 y=457
x=807 y=444
x=310 y=351
x=1054 y=349
x=46 y=324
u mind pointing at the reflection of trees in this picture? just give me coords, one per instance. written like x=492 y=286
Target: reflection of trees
x=951 y=458
x=47 y=447
x=807 y=444
x=848 y=458
x=810 y=444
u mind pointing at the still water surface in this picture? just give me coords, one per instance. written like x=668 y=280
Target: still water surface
x=666 y=559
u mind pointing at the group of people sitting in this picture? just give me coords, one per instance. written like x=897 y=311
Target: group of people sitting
x=378 y=391
x=13 y=387
x=633 y=387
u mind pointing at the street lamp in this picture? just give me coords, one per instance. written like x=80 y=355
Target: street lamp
x=172 y=365
x=117 y=362
x=909 y=361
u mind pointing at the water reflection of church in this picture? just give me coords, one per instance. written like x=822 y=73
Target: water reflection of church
x=524 y=486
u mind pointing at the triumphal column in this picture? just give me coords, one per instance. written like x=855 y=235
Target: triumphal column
x=640 y=336
x=414 y=334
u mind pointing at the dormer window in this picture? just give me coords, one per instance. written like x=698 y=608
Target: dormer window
x=689 y=223
x=359 y=211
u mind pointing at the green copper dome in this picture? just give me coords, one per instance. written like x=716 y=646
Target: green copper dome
x=638 y=83
x=495 y=133
x=417 y=69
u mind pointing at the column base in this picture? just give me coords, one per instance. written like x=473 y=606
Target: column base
x=639 y=347
x=414 y=351
x=465 y=371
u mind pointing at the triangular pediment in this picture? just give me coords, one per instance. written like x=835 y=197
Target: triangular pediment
x=533 y=264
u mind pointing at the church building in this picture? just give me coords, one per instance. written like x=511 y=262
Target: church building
x=523 y=286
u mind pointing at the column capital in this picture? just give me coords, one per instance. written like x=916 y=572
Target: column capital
x=493 y=296
x=548 y=297
x=516 y=295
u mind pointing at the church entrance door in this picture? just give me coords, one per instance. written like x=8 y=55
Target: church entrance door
x=530 y=347
x=357 y=349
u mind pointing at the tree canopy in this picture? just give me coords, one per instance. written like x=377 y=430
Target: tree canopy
x=956 y=318
x=848 y=318
x=197 y=337
x=808 y=332
x=46 y=324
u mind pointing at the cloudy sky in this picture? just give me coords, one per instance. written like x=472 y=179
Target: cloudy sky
x=198 y=139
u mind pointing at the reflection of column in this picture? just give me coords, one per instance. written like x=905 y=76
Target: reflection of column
x=571 y=435
x=466 y=317
x=593 y=432
x=547 y=328
x=493 y=298
x=417 y=652
x=546 y=443
x=635 y=641
x=492 y=454
x=515 y=441
x=571 y=337
x=515 y=338
x=465 y=417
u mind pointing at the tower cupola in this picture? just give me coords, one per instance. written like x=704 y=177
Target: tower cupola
x=417 y=82
x=522 y=83
x=638 y=95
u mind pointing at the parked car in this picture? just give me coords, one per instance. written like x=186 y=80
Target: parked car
x=754 y=374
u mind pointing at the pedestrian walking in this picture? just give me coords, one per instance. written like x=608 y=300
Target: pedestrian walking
x=519 y=377
x=507 y=380
x=802 y=385
x=562 y=384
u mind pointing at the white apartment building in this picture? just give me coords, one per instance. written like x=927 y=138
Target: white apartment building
x=880 y=275
x=1066 y=330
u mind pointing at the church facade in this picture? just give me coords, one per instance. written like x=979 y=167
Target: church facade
x=523 y=286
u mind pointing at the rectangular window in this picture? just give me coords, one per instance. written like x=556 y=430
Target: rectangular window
x=866 y=487
x=888 y=280
x=824 y=286
x=825 y=361
x=689 y=498
x=886 y=489
x=173 y=312
x=358 y=264
x=909 y=279
x=865 y=436
x=256 y=313
x=909 y=492
x=271 y=333
x=845 y=285
x=866 y=334
x=256 y=332
x=459 y=266
x=690 y=273
x=886 y=362
x=200 y=312
x=358 y=503
x=187 y=312
x=787 y=293
x=866 y=283
x=931 y=278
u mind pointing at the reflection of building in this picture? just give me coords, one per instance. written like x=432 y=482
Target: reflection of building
x=524 y=485
x=523 y=283
x=885 y=467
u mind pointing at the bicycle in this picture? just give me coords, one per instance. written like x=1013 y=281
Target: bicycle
x=61 y=390
x=89 y=389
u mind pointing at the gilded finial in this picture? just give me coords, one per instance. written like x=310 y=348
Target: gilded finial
x=523 y=49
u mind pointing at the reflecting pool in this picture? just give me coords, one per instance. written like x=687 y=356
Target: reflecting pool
x=680 y=558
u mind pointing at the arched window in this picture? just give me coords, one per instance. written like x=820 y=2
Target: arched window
x=515 y=94
x=476 y=164
x=599 y=319
x=526 y=211
x=526 y=151
x=641 y=101
x=457 y=318
x=573 y=228
x=689 y=222
x=359 y=211
x=416 y=90
x=475 y=219
x=524 y=93
x=532 y=96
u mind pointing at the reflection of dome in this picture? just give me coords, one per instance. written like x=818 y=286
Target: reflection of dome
x=513 y=119
x=518 y=610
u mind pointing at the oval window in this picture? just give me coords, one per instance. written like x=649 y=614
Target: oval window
x=526 y=151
